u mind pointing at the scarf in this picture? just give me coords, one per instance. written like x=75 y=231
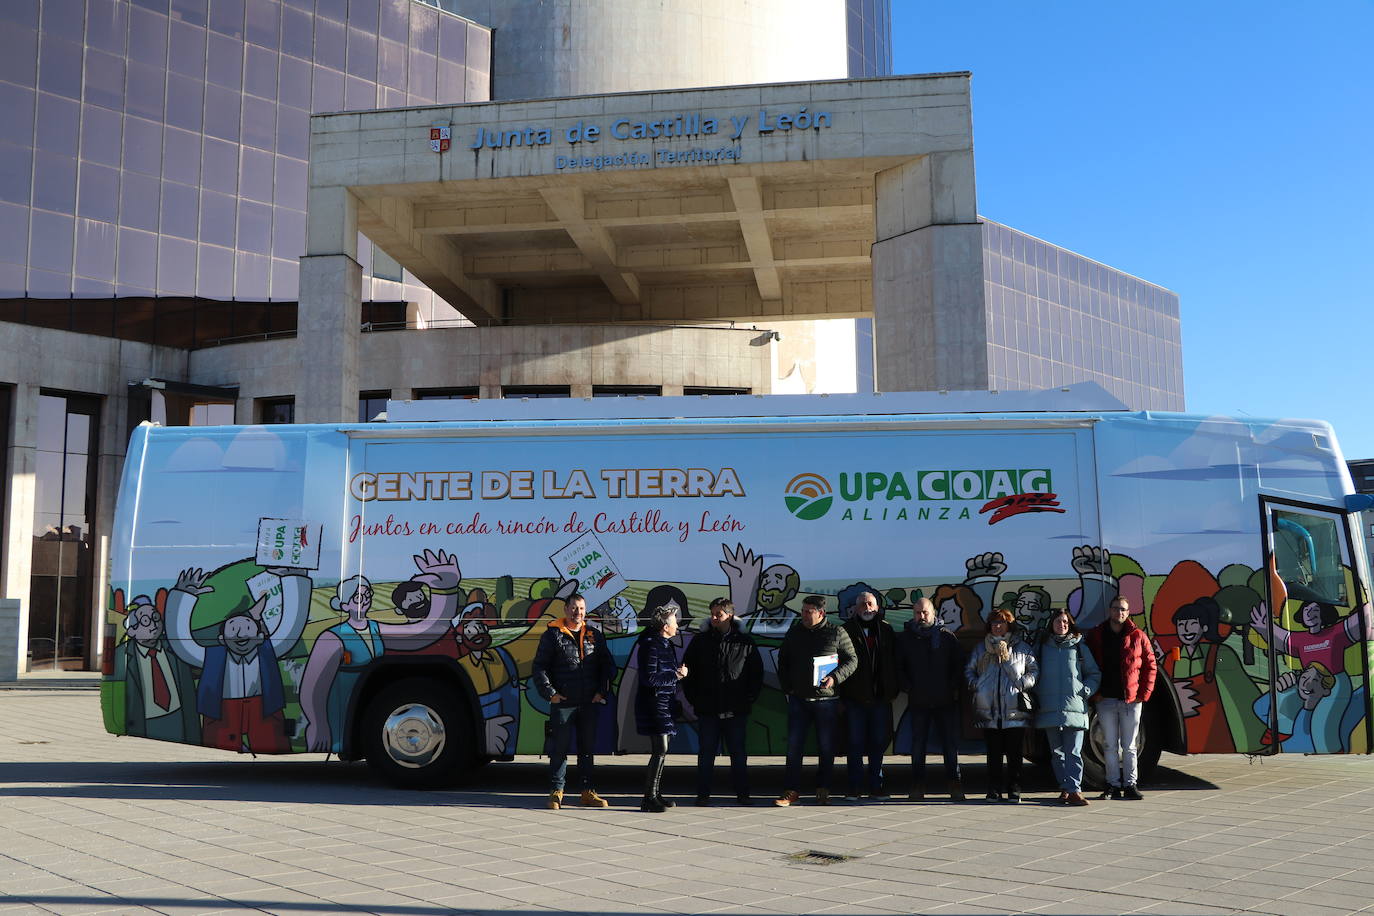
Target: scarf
x=990 y=654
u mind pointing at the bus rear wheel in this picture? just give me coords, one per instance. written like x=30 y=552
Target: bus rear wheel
x=1148 y=744
x=418 y=735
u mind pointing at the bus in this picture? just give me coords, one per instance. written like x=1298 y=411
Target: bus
x=377 y=590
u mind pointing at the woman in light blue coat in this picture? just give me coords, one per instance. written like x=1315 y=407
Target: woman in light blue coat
x=1068 y=677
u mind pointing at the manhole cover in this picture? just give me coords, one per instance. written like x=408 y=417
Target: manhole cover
x=817 y=857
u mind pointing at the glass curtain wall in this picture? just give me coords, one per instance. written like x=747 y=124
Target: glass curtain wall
x=62 y=583
x=159 y=147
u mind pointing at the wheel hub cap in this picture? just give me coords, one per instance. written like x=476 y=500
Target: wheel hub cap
x=413 y=735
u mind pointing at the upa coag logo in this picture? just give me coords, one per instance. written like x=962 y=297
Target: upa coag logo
x=808 y=496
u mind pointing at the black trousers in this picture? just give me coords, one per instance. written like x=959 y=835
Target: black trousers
x=1004 y=743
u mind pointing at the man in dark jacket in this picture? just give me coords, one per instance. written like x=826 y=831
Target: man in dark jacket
x=868 y=694
x=930 y=670
x=573 y=670
x=724 y=677
x=812 y=645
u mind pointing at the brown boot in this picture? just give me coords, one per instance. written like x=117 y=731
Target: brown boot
x=591 y=800
x=555 y=799
x=1075 y=799
x=788 y=798
x=956 y=790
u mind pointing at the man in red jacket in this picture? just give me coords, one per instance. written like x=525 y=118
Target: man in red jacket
x=1127 y=660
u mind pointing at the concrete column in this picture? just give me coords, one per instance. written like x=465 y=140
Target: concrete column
x=17 y=550
x=329 y=313
x=929 y=306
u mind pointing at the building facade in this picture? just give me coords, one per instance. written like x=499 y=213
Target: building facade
x=154 y=210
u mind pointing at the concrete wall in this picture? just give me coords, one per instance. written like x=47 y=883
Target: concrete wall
x=546 y=48
x=579 y=356
x=37 y=359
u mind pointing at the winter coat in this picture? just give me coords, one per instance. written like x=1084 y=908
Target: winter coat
x=1068 y=676
x=724 y=672
x=655 y=695
x=577 y=666
x=801 y=646
x=930 y=666
x=997 y=689
x=1138 y=666
x=875 y=679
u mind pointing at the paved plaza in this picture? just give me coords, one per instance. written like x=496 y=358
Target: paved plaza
x=91 y=823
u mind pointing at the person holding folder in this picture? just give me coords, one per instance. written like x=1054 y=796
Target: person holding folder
x=814 y=658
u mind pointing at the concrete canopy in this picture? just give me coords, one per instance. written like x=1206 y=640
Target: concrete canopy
x=756 y=218
x=832 y=199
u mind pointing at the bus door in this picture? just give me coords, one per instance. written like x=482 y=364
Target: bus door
x=1318 y=698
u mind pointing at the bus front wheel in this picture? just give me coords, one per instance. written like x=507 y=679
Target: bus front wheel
x=417 y=734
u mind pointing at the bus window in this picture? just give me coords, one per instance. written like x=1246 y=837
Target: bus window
x=1307 y=551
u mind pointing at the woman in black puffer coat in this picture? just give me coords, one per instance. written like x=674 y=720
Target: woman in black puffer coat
x=655 y=698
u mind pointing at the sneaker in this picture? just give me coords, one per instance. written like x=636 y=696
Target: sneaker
x=591 y=800
x=993 y=796
x=1014 y=797
x=1112 y=792
x=1075 y=799
x=956 y=790
x=822 y=796
x=744 y=801
x=788 y=798
x=555 y=799
x=1130 y=793
x=851 y=797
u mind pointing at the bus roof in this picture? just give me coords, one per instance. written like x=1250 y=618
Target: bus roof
x=1083 y=397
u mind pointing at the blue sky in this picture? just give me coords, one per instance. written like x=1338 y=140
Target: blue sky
x=1224 y=150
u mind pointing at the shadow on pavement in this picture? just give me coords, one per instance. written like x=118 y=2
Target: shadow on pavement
x=521 y=783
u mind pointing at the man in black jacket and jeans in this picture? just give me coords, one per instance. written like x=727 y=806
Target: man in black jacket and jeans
x=573 y=670
x=724 y=677
x=868 y=695
x=930 y=669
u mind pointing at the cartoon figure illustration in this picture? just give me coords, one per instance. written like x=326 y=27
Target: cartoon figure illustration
x=765 y=592
x=1299 y=696
x=240 y=695
x=493 y=673
x=412 y=601
x=1323 y=642
x=1030 y=605
x=340 y=654
x=963 y=606
x=158 y=687
x=1215 y=693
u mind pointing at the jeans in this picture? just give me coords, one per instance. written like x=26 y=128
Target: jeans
x=801 y=715
x=1120 y=727
x=870 y=728
x=566 y=719
x=942 y=719
x=710 y=731
x=1004 y=743
x=1066 y=757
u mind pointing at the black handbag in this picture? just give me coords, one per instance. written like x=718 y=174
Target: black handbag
x=1025 y=702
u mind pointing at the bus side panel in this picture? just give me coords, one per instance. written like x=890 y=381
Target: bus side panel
x=972 y=519
x=1181 y=518
x=217 y=546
